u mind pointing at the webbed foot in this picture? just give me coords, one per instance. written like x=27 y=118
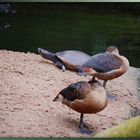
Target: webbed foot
x=84 y=130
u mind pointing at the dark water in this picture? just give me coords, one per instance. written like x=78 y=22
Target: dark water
x=58 y=27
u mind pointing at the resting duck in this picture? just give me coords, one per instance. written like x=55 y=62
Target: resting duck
x=85 y=98
x=106 y=66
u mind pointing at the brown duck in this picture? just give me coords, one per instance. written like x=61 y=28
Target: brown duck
x=85 y=98
x=106 y=66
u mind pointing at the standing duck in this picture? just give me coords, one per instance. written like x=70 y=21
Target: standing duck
x=106 y=66
x=85 y=98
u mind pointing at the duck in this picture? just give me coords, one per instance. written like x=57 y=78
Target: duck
x=105 y=66
x=84 y=97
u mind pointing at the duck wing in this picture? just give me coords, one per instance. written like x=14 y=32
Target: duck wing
x=104 y=62
x=76 y=91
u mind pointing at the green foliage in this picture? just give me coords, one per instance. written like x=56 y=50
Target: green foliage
x=128 y=128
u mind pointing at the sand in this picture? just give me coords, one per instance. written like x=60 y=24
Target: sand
x=28 y=84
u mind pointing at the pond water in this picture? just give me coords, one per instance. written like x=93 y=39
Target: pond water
x=61 y=27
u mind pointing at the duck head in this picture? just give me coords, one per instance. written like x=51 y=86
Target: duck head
x=113 y=50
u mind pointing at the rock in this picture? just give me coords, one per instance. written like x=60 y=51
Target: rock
x=27 y=81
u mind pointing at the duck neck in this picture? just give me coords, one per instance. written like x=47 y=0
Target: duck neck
x=100 y=97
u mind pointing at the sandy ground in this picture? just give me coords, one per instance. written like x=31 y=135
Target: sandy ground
x=28 y=84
